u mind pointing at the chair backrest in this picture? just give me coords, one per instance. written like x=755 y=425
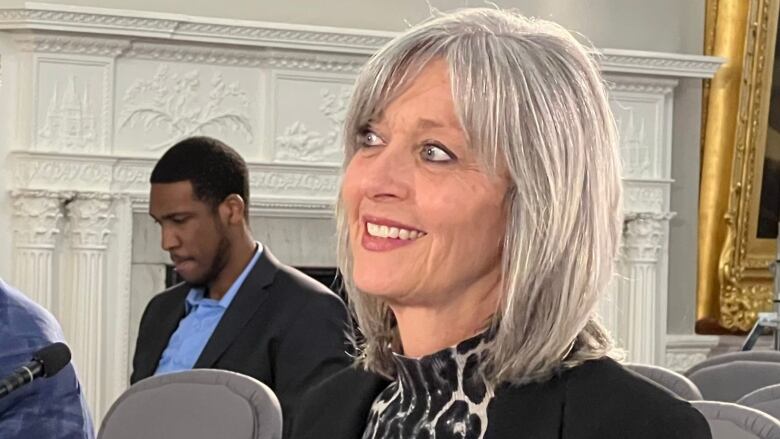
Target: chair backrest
x=765 y=356
x=733 y=421
x=731 y=381
x=765 y=399
x=670 y=380
x=200 y=403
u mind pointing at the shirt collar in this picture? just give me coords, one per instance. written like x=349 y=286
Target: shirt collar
x=197 y=295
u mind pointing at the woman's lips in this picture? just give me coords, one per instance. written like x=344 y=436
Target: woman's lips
x=383 y=235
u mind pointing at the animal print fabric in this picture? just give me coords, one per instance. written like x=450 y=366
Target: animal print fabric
x=439 y=396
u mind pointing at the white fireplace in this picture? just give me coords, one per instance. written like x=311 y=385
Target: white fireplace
x=90 y=98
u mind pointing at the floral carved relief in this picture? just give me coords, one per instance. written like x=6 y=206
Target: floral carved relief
x=298 y=143
x=182 y=105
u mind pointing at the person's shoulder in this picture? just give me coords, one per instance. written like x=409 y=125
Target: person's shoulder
x=165 y=301
x=172 y=295
x=298 y=287
x=301 y=305
x=606 y=376
x=354 y=388
x=25 y=316
x=305 y=284
x=605 y=398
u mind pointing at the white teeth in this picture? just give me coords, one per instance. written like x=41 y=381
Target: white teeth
x=392 y=232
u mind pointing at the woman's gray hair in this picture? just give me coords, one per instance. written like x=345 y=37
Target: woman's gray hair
x=531 y=100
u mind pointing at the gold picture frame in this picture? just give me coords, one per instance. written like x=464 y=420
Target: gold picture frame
x=734 y=277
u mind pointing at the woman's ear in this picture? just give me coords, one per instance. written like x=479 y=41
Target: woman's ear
x=234 y=207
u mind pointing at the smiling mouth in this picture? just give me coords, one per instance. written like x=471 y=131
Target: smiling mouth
x=392 y=232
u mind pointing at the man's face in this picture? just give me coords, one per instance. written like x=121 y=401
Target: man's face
x=192 y=231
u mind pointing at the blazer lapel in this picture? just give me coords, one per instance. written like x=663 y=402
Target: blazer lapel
x=172 y=313
x=250 y=295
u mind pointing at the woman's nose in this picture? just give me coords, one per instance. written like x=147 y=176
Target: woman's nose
x=389 y=174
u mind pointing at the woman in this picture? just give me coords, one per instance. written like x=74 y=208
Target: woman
x=479 y=218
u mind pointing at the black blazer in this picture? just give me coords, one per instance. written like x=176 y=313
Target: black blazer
x=596 y=400
x=282 y=328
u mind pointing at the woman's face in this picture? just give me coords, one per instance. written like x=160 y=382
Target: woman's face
x=426 y=220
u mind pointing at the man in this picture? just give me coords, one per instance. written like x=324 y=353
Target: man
x=239 y=308
x=47 y=407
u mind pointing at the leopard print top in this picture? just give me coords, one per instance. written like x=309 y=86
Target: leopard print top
x=439 y=396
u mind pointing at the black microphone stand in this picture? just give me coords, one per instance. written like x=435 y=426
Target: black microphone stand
x=768 y=320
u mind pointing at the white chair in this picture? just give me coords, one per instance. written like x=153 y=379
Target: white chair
x=733 y=421
x=765 y=399
x=765 y=356
x=731 y=381
x=670 y=380
x=196 y=404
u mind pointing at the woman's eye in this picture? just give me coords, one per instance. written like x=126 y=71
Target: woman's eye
x=433 y=153
x=369 y=138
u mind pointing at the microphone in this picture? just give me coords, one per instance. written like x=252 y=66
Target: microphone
x=45 y=363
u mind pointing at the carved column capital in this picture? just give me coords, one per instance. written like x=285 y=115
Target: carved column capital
x=37 y=214
x=91 y=216
x=643 y=235
x=36 y=218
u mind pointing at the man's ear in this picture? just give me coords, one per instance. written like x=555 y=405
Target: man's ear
x=234 y=207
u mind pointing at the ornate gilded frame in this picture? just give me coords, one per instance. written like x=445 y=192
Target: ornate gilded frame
x=734 y=280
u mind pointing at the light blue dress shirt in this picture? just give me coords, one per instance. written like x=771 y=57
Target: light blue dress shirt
x=202 y=315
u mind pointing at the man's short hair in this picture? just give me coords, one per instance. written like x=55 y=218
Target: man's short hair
x=214 y=169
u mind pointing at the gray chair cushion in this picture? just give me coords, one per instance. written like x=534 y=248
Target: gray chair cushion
x=201 y=403
x=731 y=381
x=766 y=399
x=765 y=356
x=733 y=421
x=670 y=380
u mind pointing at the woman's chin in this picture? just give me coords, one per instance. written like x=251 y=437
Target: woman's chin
x=377 y=285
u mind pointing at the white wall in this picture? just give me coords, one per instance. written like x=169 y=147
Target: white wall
x=663 y=25
x=660 y=25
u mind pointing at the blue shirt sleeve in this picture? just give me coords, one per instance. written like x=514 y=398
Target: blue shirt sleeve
x=47 y=407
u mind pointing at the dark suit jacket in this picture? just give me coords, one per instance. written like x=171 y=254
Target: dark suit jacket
x=282 y=328
x=596 y=400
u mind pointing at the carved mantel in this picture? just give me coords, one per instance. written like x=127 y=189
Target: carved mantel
x=101 y=93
